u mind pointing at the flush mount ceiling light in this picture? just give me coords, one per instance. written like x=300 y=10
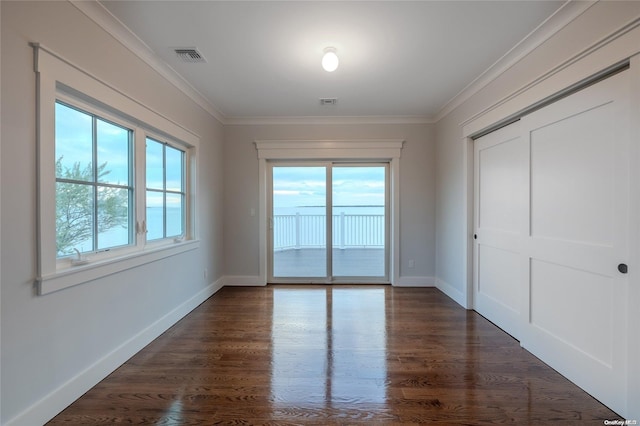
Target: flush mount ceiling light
x=330 y=59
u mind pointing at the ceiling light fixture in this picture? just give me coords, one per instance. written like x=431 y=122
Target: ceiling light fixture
x=330 y=59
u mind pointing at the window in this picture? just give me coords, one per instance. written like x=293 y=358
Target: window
x=98 y=209
x=98 y=187
x=94 y=190
x=165 y=198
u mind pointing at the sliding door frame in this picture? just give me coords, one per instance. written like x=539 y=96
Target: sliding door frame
x=385 y=279
x=326 y=279
x=330 y=276
x=373 y=151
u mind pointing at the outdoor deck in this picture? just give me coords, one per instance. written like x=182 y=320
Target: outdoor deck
x=311 y=262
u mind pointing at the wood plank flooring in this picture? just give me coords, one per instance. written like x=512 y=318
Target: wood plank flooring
x=334 y=355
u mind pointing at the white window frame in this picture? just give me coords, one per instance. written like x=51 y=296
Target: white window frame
x=168 y=142
x=88 y=108
x=59 y=79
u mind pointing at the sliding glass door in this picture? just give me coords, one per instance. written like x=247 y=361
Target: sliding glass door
x=299 y=243
x=359 y=221
x=328 y=222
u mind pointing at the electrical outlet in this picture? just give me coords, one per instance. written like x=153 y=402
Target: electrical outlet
x=412 y=263
x=205 y=273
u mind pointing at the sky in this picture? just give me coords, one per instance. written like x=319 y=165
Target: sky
x=74 y=134
x=74 y=144
x=295 y=186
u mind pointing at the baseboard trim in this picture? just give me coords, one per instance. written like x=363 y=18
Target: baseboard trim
x=452 y=292
x=415 y=282
x=52 y=404
x=243 y=281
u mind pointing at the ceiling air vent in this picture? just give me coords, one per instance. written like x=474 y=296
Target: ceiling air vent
x=328 y=101
x=190 y=55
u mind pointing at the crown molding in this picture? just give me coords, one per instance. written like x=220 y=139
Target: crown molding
x=571 y=10
x=369 y=119
x=596 y=60
x=95 y=11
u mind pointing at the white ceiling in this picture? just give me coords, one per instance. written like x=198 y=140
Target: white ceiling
x=397 y=58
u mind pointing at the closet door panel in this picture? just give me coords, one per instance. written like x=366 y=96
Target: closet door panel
x=499 y=189
x=578 y=235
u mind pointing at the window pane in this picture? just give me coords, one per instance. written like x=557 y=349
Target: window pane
x=174 y=166
x=113 y=217
x=155 y=212
x=113 y=153
x=155 y=165
x=74 y=146
x=359 y=224
x=74 y=218
x=175 y=211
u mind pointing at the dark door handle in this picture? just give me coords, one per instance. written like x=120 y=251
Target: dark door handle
x=623 y=268
x=475 y=236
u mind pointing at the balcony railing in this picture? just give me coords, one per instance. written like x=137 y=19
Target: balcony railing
x=299 y=231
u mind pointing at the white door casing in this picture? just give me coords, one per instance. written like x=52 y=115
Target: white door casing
x=371 y=150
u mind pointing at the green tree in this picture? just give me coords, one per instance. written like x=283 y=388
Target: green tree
x=75 y=209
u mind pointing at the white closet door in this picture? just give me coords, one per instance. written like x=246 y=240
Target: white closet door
x=578 y=196
x=500 y=182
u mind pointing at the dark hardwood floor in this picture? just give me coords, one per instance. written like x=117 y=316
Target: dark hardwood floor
x=334 y=355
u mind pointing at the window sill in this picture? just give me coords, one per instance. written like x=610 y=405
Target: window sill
x=75 y=275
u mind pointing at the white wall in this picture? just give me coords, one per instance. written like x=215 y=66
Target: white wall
x=599 y=21
x=417 y=184
x=54 y=345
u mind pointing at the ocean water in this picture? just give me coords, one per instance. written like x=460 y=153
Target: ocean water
x=321 y=210
x=119 y=236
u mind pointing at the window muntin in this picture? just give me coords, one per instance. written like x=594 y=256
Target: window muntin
x=165 y=190
x=94 y=182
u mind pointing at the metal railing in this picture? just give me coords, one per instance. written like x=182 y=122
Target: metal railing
x=298 y=231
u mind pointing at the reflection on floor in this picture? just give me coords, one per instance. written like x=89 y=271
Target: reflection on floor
x=334 y=355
